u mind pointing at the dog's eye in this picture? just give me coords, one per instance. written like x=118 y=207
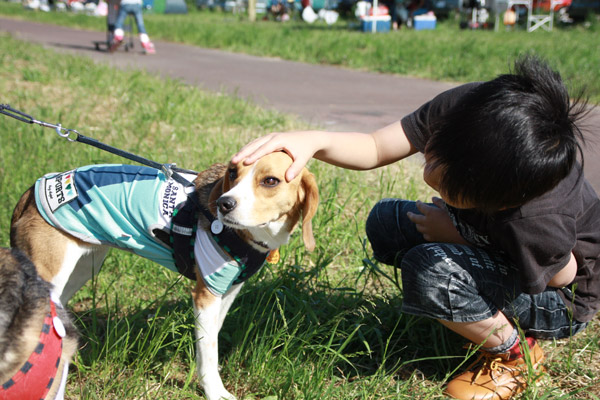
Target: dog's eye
x=232 y=174
x=270 y=182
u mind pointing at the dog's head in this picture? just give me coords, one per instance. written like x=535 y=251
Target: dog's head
x=257 y=200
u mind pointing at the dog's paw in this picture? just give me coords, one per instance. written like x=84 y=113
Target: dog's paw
x=219 y=395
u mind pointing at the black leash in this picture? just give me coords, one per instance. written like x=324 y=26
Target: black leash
x=170 y=170
x=183 y=229
x=74 y=136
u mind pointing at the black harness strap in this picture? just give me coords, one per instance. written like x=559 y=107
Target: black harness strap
x=183 y=235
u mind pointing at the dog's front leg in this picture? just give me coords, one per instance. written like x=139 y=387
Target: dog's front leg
x=207 y=312
x=227 y=301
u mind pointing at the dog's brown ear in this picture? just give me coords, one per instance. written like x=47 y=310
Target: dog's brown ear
x=309 y=203
x=209 y=185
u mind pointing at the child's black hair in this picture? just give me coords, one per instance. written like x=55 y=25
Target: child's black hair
x=508 y=140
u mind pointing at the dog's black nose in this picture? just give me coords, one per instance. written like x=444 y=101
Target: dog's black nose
x=226 y=204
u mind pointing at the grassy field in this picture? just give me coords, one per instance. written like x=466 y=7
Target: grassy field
x=446 y=53
x=321 y=325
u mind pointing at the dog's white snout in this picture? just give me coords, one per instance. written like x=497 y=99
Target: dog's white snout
x=226 y=204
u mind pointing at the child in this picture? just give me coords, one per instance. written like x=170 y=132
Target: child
x=513 y=242
x=133 y=7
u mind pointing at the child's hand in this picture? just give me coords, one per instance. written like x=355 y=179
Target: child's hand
x=296 y=144
x=351 y=150
x=435 y=223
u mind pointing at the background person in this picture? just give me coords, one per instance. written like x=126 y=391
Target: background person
x=133 y=7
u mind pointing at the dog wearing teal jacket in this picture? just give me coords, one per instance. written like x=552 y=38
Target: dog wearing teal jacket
x=67 y=222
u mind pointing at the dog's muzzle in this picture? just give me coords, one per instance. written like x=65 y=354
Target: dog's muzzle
x=226 y=204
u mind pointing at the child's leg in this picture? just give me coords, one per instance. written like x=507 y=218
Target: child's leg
x=463 y=286
x=481 y=288
x=476 y=294
x=147 y=45
x=544 y=315
x=390 y=232
x=392 y=235
x=491 y=333
x=121 y=15
x=139 y=20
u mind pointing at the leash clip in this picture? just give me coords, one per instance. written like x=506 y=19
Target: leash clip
x=66 y=133
x=167 y=169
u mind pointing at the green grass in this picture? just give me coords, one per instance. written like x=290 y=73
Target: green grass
x=447 y=53
x=320 y=325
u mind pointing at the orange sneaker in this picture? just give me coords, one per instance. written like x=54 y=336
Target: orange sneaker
x=495 y=376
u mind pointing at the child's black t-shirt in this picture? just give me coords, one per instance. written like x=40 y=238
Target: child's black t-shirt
x=538 y=236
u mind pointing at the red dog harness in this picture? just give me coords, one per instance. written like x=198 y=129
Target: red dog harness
x=36 y=376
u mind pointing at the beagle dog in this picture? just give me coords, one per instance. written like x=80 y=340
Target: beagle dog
x=217 y=231
x=37 y=338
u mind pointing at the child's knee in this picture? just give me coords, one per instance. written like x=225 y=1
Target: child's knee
x=382 y=232
x=373 y=224
x=388 y=218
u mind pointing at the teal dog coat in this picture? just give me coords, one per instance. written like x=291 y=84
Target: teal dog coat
x=121 y=206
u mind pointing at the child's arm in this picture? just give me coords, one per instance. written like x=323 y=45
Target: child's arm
x=350 y=150
x=566 y=275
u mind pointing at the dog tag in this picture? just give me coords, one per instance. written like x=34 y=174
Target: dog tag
x=59 y=327
x=216 y=227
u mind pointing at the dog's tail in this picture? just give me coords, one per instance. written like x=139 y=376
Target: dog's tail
x=24 y=203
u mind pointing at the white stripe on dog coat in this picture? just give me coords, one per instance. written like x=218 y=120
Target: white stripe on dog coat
x=217 y=270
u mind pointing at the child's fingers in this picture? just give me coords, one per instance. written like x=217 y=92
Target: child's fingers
x=244 y=152
x=423 y=207
x=268 y=144
x=295 y=169
x=255 y=150
x=439 y=203
x=417 y=219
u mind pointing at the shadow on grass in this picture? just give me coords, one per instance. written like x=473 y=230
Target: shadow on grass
x=355 y=333
x=282 y=317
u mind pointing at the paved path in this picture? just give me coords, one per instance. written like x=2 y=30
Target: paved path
x=331 y=97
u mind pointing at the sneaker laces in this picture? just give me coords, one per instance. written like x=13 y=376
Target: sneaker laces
x=491 y=362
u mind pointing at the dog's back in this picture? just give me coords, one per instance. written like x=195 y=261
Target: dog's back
x=22 y=207
x=24 y=305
